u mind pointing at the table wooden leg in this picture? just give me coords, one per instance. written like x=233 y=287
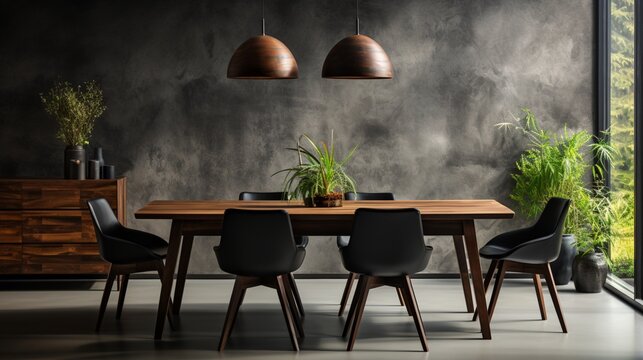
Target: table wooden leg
x=168 y=277
x=184 y=261
x=471 y=243
x=458 y=243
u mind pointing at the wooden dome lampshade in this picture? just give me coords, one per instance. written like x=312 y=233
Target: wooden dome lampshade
x=263 y=57
x=357 y=57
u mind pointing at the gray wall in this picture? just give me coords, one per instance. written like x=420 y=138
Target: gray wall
x=178 y=129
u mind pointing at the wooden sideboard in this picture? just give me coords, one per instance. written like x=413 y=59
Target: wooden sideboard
x=46 y=228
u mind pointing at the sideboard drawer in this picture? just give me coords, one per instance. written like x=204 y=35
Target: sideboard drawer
x=10 y=195
x=62 y=259
x=57 y=226
x=10 y=259
x=10 y=227
x=68 y=194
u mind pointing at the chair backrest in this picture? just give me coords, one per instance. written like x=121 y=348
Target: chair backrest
x=552 y=221
x=261 y=196
x=256 y=242
x=363 y=196
x=369 y=196
x=386 y=241
x=105 y=223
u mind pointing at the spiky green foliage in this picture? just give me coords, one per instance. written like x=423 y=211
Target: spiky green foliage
x=76 y=109
x=319 y=172
x=556 y=165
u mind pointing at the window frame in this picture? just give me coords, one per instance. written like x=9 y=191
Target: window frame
x=602 y=123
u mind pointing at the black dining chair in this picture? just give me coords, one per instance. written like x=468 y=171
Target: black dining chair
x=258 y=247
x=343 y=241
x=126 y=250
x=301 y=241
x=385 y=249
x=529 y=250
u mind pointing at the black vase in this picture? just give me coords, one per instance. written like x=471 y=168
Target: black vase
x=98 y=156
x=93 y=169
x=561 y=268
x=73 y=153
x=590 y=272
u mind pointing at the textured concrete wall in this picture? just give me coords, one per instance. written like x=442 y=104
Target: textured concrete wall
x=178 y=129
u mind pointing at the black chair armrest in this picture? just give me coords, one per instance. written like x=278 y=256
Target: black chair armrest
x=535 y=250
x=122 y=251
x=141 y=237
x=513 y=238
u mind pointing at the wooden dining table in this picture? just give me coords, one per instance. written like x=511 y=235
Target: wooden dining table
x=193 y=218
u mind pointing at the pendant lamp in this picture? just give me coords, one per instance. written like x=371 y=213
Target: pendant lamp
x=263 y=57
x=357 y=57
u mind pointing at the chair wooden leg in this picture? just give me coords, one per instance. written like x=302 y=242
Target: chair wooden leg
x=236 y=312
x=293 y=307
x=108 y=289
x=121 y=295
x=539 y=294
x=233 y=308
x=359 y=311
x=295 y=291
x=285 y=307
x=415 y=311
x=400 y=297
x=487 y=281
x=554 y=296
x=461 y=256
x=496 y=288
x=346 y=293
x=351 y=313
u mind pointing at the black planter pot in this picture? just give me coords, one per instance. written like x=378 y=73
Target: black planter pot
x=561 y=268
x=73 y=153
x=590 y=272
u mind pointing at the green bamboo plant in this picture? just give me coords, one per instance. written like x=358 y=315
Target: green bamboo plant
x=557 y=165
x=318 y=173
x=76 y=109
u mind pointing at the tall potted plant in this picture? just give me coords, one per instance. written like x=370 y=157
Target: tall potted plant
x=75 y=109
x=591 y=266
x=557 y=165
x=319 y=177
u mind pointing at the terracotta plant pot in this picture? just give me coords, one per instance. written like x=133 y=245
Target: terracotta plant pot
x=328 y=200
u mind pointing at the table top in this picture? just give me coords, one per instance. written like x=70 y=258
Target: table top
x=430 y=209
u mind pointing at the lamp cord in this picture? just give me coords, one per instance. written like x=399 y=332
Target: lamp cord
x=356 y=17
x=263 y=19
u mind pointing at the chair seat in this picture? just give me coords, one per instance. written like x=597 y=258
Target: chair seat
x=384 y=269
x=258 y=271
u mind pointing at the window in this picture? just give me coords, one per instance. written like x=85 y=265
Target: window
x=619 y=111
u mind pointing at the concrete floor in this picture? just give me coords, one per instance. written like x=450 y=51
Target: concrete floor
x=58 y=324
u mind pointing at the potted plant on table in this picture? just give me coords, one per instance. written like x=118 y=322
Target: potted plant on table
x=75 y=109
x=320 y=179
x=557 y=165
